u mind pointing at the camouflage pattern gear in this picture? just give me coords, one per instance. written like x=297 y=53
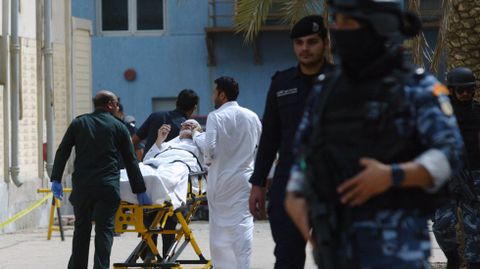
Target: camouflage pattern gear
x=394 y=233
x=402 y=240
x=446 y=219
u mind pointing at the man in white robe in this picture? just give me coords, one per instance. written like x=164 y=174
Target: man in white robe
x=167 y=164
x=231 y=139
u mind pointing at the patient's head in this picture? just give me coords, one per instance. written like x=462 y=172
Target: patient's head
x=188 y=129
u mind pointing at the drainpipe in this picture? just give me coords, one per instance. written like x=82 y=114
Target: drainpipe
x=49 y=100
x=6 y=94
x=15 y=91
x=40 y=93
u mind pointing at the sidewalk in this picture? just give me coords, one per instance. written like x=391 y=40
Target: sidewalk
x=32 y=250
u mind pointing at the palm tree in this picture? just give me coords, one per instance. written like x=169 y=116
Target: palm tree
x=459 y=27
x=463 y=35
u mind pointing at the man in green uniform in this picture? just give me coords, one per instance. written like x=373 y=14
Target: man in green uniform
x=97 y=138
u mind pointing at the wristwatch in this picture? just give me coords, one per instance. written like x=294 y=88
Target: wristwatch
x=398 y=175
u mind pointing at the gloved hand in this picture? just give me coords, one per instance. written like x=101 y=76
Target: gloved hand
x=57 y=190
x=143 y=199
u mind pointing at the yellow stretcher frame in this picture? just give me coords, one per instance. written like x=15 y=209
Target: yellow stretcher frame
x=130 y=218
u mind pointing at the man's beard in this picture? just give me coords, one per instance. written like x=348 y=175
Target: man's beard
x=186 y=133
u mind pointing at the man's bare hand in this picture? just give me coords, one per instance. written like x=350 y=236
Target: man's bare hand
x=374 y=179
x=297 y=208
x=256 y=202
x=162 y=133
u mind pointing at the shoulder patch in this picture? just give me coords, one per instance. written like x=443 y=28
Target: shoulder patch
x=446 y=106
x=439 y=89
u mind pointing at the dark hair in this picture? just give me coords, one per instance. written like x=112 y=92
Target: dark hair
x=187 y=99
x=229 y=86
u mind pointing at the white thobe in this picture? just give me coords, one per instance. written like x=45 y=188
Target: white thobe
x=166 y=179
x=231 y=140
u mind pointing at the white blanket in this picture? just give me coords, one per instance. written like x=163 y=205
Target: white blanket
x=166 y=178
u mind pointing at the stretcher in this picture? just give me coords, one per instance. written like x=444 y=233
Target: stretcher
x=130 y=218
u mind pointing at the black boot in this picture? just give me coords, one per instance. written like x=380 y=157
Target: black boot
x=453 y=260
x=474 y=265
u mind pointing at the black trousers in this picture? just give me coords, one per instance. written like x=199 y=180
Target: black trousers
x=289 y=243
x=101 y=210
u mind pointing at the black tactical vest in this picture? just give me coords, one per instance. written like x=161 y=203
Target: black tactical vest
x=369 y=118
x=468 y=118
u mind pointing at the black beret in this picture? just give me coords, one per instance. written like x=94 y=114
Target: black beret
x=308 y=25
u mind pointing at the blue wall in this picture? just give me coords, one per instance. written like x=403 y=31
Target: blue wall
x=178 y=59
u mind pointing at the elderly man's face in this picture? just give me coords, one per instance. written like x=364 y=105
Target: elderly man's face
x=186 y=129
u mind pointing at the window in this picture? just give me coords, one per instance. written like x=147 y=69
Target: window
x=130 y=17
x=163 y=103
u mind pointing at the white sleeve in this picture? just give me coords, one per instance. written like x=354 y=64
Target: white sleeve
x=154 y=150
x=437 y=165
x=210 y=138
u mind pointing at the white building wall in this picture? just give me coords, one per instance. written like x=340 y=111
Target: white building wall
x=12 y=198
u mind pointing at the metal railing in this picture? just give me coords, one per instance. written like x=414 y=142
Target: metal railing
x=221 y=14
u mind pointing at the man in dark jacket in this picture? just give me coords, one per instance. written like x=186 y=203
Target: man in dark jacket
x=97 y=137
x=286 y=100
x=186 y=104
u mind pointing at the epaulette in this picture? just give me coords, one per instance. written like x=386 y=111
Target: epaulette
x=286 y=71
x=275 y=75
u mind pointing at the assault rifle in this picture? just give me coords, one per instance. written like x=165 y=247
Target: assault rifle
x=462 y=187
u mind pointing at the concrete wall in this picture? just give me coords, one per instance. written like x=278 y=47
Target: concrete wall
x=177 y=59
x=32 y=132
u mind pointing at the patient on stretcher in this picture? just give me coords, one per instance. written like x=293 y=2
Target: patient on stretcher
x=166 y=166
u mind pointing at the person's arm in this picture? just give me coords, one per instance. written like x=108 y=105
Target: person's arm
x=439 y=135
x=131 y=163
x=142 y=132
x=63 y=153
x=296 y=205
x=270 y=140
x=210 y=138
x=377 y=178
x=267 y=150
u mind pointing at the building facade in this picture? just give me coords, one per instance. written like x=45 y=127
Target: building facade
x=71 y=96
x=165 y=43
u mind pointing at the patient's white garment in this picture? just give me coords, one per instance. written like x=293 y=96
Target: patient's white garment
x=165 y=172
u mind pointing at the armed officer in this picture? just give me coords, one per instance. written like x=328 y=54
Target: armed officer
x=284 y=107
x=97 y=138
x=378 y=141
x=464 y=187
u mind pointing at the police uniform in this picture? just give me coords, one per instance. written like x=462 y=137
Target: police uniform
x=380 y=114
x=376 y=107
x=468 y=117
x=284 y=107
x=95 y=196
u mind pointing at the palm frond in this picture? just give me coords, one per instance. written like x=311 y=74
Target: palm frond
x=250 y=15
x=442 y=33
x=296 y=9
x=418 y=41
